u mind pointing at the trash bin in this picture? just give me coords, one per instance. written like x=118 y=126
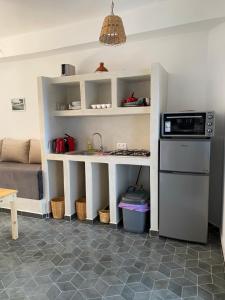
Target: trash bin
x=135 y=207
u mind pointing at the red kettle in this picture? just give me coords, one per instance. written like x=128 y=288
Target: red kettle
x=70 y=141
x=60 y=145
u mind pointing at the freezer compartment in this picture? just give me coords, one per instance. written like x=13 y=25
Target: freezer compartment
x=185 y=156
x=183 y=206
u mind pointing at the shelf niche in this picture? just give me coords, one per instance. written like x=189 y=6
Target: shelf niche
x=77 y=185
x=100 y=188
x=98 y=92
x=68 y=92
x=56 y=179
x=126 y=175
x=139 y=85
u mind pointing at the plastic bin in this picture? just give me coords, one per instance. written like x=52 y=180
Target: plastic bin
x=135 y=207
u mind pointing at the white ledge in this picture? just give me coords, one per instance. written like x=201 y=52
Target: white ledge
x=109 y=159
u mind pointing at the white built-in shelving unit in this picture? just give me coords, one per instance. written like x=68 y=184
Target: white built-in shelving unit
x=102 y=179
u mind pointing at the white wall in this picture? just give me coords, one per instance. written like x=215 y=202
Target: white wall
x=156 y=15
x=183 y=55
x=217 y=101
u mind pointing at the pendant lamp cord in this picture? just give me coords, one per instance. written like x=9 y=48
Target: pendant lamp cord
x=112 y=8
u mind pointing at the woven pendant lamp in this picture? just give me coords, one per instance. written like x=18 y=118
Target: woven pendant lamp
x=112 y=32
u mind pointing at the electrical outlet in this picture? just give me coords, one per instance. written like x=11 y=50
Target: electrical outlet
x=121 y=146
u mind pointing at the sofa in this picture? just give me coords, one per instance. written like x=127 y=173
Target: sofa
x=20 y=167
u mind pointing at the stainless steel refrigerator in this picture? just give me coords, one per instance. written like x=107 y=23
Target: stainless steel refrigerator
x=184 y=189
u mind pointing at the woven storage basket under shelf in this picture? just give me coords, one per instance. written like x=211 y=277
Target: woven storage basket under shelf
x=58 y=207
x=104 y=216
x=80 y=206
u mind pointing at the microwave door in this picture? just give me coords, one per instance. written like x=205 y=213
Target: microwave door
x=184 y=125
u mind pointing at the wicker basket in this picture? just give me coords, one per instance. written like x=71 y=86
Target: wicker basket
x=104 y=216
x=58 y=207
x=80 y=206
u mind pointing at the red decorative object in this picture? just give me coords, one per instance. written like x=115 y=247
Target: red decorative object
x=101 y=68
x=130 y=99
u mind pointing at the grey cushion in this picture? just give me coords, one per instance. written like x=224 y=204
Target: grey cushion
x=26 y=178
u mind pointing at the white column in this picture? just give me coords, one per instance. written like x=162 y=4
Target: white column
x=114 y=214
x=89 y=189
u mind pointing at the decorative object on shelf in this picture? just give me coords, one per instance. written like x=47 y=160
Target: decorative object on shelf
x=80 y=206
x=61 y=106
x=101 y=68
x=112 y=32
x=18 y=104
x=67 y=70
x=58 y=207
x=146 y=100
x=75 y=105
x=90 y=146
x=71 y=107
x=104 y=216
x=98 y=106
x=134 y=102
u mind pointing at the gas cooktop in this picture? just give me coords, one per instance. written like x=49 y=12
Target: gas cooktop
x=133 y=152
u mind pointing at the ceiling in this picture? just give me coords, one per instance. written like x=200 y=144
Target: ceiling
x=22 y=16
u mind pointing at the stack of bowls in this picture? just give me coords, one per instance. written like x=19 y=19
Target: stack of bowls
x=98 y=106
x=75 y=105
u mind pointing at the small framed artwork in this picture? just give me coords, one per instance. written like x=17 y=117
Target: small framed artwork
x=18 y=104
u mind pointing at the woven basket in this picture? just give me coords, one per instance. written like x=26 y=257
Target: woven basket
x=80 y=206
x=58 y=207
x=104 y=216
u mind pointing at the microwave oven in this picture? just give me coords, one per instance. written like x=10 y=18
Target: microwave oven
x=188 y=124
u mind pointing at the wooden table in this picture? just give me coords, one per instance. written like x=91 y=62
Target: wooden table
x=10 y=195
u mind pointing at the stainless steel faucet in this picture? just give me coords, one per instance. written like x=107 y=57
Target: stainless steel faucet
x=100 y=139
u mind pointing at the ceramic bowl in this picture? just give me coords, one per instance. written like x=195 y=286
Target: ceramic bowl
x=103 y=106
x=94 y=106
x=75 y=103
x=108 y=105
x=99 y=106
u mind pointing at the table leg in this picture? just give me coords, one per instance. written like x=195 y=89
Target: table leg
x=14 y=220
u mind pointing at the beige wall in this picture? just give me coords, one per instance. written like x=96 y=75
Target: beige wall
x=183 y=55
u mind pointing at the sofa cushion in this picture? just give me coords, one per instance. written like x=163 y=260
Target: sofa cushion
x=35 y=152
x=15 y=150
x=25 y=178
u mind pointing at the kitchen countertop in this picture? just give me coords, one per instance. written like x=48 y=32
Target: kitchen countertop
x=113 y=159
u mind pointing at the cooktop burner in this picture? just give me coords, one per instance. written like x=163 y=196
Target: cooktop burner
x=131 y=153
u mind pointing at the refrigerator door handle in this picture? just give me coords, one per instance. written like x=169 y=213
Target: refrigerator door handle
x=206 y=173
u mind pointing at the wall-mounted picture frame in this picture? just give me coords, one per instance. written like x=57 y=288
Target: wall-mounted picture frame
x=18 y=104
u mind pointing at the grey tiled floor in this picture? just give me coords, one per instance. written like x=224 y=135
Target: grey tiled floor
x=71 y=260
